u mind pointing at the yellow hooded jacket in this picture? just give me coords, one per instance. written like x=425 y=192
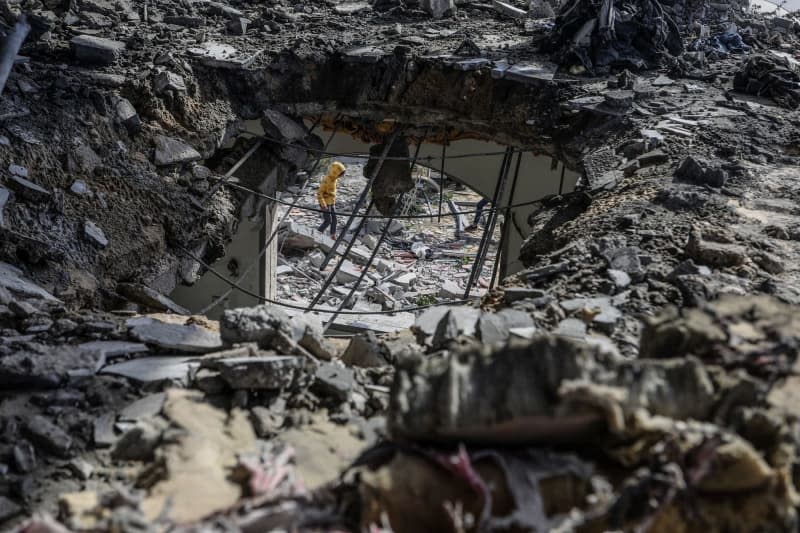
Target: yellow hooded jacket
x=326 y=194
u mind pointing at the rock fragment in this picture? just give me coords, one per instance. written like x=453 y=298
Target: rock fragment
x=96 y=50
x=49 y=436
x=171 y=151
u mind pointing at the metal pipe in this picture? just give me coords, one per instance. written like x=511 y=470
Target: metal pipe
x=561 y=183
x=360 y=200
x=442 y=178
x=489 y=229
x=233 y=169
x=506 y=229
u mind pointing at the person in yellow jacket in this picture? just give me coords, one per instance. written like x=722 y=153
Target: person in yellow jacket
x=326 y=196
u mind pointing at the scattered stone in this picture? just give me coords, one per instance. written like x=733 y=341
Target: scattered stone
x=308 y=333
x=96 y=50
x=365 y=350
x=238 y=26
x=145 y=407
x=79 y=187
x=405 y=280
x=174 y=370
x=81 y=468
x=698 y=171
x=189 y=338
x=625 y=259
x=49 y=436
x=27 y=189
x=93 y=232
x=139 y=442
x=515 y=294
x=450 y=290
x=769 y=262
x=127 y=116
x=171 y=151
x=209 y=381
x=150 y=298
x=281 y=372
x=571 y=327
x=168 y=81
x=715 y=254
x=333 y=381
x=24 y=457
x=492 y=329
x=103 y=430
x=260 y=324
x=266 y=422
x=619 y=99
x=620 y=279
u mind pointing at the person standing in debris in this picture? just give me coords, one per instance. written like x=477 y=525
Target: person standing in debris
x=326 y=196
x=478 y=214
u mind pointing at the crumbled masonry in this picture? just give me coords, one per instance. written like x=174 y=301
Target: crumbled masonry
x=639 y=373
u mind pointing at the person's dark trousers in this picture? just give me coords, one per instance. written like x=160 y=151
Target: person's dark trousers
x=328 y=219
x=479 y=208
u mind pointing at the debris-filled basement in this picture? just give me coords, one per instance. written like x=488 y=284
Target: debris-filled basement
x=399 y=266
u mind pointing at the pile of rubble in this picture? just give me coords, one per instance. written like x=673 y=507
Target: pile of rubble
x=639 y=374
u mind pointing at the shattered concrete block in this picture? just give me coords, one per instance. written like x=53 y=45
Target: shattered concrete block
x=492 y=329
x=548 y=390
x=49 y=436
x=464 y=320
x=168 y=81
x=702 y=249
x=699 y=171
x=282 y=372
x=185 y=338
x=96 y=50
x=405 y=280
x=348 y=273
x=366 y=350
x=282 y=126
x=334 y=381
x=171 y=151
x=619 y=99
x=450 y=290
x=307 y=331
x=174 y=370
x=260 y=324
